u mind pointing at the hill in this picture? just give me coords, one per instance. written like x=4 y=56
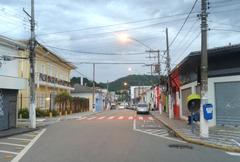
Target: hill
x=131 y=80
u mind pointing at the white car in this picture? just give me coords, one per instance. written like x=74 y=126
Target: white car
x=121 y=106
x=142 y=108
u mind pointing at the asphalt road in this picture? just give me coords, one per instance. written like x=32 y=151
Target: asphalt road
x=116 y=136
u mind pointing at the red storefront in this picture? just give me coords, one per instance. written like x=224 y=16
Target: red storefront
x=175 y=89
x=157 y=96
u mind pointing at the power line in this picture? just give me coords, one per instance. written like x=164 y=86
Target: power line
x=96 y=53
x=188 y=46
x=93 y=35
x=226 y=30
x=224 y=24
x=187 y=35
x=111 y=25
x=222 y=2
x=114 y=63
x=174 y=39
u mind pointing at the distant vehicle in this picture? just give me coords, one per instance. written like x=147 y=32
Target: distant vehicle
x=121 y=105
x=134 y=107
x=113 y=106
x=142 y=108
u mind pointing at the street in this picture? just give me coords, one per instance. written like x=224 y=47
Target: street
x=117 y=135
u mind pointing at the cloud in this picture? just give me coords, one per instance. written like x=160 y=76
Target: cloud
x=71 y=15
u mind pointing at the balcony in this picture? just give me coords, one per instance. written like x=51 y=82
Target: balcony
x=46 y=80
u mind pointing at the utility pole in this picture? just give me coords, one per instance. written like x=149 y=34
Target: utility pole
x=204 y=69
x=157 y=70
x=32 y=55
x=168 y=67
x=93 y=95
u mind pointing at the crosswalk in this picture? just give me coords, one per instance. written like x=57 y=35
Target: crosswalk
x=142 y=118
x=216 y=139
x=13 y=148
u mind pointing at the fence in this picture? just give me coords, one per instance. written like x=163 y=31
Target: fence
x=48 y=103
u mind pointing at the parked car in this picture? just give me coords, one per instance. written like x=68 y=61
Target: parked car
x=142 y=108
x=121 y=105
x=113 y=106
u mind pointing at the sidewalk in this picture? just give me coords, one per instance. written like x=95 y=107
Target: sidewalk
x=15 y=131
x=46 y=121
x=22 y=124
x=226 y=138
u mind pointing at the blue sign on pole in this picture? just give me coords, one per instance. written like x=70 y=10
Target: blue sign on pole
x=208 y=111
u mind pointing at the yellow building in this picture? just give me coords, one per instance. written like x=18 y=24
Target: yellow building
x=52 y=76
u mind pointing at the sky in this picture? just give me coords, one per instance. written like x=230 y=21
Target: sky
x=87 y=31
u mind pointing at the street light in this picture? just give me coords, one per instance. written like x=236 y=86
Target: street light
x=124 y=37
x=129 y=69
x=125 y=83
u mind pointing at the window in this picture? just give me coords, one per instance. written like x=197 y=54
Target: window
x=43 y=68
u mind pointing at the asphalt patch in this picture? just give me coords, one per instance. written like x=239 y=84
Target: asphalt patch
x=180 y=146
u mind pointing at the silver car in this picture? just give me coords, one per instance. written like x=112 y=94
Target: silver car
x=142 y=108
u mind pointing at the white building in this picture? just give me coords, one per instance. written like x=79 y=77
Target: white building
x=10 y=83
x=223 y=84
x=87 y=93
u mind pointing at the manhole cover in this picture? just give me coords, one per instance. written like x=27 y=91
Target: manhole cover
x=180 y=146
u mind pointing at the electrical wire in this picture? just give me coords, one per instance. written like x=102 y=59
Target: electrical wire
x=226 y=30
x=186 y=19
x=188 y=46
x=96 y=53
x=94 y=35
x=188 y=34
x=112 y=25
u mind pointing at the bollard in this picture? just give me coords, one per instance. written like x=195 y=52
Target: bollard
x=65 y=113
x=50 y=114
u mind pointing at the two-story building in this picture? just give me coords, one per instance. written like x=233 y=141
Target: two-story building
x=223 y=84
x=52 y=77
x=10 y=82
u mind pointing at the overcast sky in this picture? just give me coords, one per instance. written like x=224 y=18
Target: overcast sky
x=94 y=26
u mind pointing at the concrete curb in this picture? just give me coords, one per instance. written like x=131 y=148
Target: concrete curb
x=190 y=140
x=39 y=127
x=20 y=132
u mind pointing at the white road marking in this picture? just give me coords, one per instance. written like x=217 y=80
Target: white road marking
x=121 y=117
x=19 y=139
x=91 y=118
x=81 y=118
x=156 y=131
x=236 y=142
x=168 y=138
x=28 y=135
x=233 y=153
x=150 y=118
x=11 y=144
x=111 y=117
x=130 y=118
x=140 y=118
x=162 y=134
x=8 y=152
x=101 y=117
x=134 y=124
x=20 y=155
